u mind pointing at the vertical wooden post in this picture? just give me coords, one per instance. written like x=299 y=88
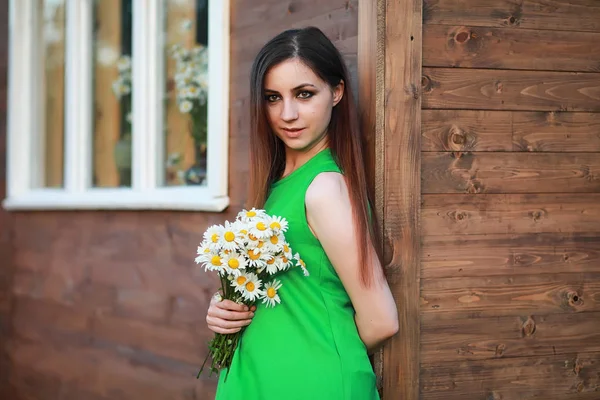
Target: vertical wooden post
x=403 y=57
x=371 y=74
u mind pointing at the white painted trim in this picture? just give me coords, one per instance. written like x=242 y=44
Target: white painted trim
x=20 y=95
x=141 y=174
x=174 y=198
x=78 y=97
x=218 y=94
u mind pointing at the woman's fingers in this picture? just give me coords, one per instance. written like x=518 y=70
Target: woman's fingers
x=231 y=305
x=229 y=315
x=226 y=324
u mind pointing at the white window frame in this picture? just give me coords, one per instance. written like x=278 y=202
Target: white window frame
x=23 y=167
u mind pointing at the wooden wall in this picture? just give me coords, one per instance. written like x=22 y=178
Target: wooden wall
x=105 y=305
x=510 y=157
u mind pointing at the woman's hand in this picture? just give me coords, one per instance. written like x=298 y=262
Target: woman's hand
x=225 y=316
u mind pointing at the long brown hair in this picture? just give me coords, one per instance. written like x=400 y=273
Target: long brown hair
x=346 y=142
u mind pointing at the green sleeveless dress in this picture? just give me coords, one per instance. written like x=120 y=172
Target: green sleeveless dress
x=307 y=347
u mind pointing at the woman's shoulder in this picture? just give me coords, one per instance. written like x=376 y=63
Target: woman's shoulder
x=326 y=188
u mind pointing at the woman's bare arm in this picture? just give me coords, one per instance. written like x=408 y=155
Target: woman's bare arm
x=329 y=214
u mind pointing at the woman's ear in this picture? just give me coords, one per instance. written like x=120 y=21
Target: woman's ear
x=338 y=93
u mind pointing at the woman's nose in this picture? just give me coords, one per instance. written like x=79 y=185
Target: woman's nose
x=289 y=111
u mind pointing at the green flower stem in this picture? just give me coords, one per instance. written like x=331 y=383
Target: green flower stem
x=222 y=347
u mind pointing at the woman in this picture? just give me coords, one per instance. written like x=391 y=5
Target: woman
x=307 y=166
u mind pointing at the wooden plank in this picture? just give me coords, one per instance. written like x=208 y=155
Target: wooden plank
x=371 y=80
x=107 y=120
x=501 y=48
x=567 y=15
x=54 y=96
x=453 y=339
x=462 y=214
x=498 y=254
x=556 y=131
x=460 y=88
x=469 y=130
x=569 y=376
x=466 y=130
x=403 y=55
x=510 y=172
x=511 y=294
x=178 y=138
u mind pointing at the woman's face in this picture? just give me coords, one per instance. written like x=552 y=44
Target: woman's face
x=299 y=104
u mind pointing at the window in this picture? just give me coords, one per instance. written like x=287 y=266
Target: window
x=118 y=104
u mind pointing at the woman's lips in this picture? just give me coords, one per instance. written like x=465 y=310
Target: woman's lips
x=293 y=132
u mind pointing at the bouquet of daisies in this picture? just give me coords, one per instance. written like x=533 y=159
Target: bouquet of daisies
x=247 y=255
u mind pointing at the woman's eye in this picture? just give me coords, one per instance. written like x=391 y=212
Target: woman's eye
x=305 y=95
x=271 y=98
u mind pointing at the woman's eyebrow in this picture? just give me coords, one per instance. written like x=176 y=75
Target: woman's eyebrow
x=294 y=89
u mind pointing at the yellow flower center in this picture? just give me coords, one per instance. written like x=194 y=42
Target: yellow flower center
x=241 y=280
x=253 y=255
x=229 y=236
x=275 y=225
x=260 y=244
x=271 y=292
x=250 y=286
x=250 y=214
x=252 y=237
x=284 y=259
x=243 y=231
x=302 y=263
x=216 y=261
x=207 y=250
x=271 y=261
x=214 y=237
x=261 y=226
x=233 y=263
x=286 y=248
x=274 y=239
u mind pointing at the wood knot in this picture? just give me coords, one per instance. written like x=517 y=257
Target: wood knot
x=462 y=37
x=457 y=136
x=512 y=20
x=426 y=83
x=577 y=367
x=537 y=215
x=499 y=87
x=528 y=327
x=458 y=215
x=575 y=299
x=500 y=349
x=474 y=187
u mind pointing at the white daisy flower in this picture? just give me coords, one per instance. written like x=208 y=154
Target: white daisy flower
x=239 y=281
x=252 y=288
x=186 y=106
x=234 y=263
x=213 y=237
x=283 y=262
x=257 y=259
x=251 y=241
x=276 y=243
x=287 y=251
x=277 y=224
x=250 y=215
x=300 y=263
x=272 y=266
x=271 y=297
x=231 y=238
x=260 y=229
x=124 y=63
x=215 y=263
x=204 y=253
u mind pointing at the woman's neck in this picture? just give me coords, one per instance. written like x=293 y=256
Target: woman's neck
x=294 y=159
